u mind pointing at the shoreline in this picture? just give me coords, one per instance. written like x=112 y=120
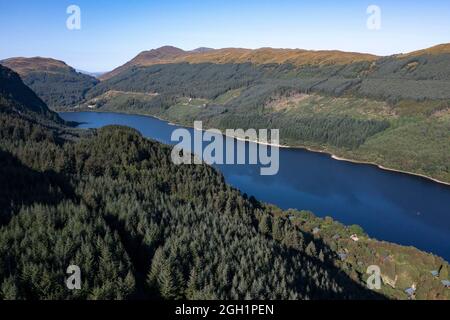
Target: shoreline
x=333 y=156
x=390 y=169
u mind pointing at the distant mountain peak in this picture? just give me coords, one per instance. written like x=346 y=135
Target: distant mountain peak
x=169 y=48
x=202 y=49
x=89 y=73
x=161 y=53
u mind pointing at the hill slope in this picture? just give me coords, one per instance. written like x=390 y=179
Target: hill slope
x=16 y=97
x=25 y=66
x=435 y=50
x=261 y=56
x=53 y=81
x=392 y=111
x=419 y=75
x=139 y=226
x=155 y=56
x=146 y=228
x=364 y=101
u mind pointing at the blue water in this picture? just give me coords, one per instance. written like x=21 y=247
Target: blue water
x=390 y=206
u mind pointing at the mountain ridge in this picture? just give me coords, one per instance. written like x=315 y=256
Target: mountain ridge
x=265 y=55
x=297 y=57
x=170 y=54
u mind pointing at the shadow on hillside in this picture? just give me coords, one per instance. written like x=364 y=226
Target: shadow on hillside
x=351 y=289
x=21 y=185
x=346 y=289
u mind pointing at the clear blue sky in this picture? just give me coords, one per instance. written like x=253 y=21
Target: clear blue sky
x=114 y=31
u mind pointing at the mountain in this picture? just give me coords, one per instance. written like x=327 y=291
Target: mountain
x=25 y=66
x=262 y=56
x=380 y=110
x=416 y=76
x=141 y=227
x=435 y=50
x=202 y=50
x=145 y=58
x=16 y=97
x=56 y=83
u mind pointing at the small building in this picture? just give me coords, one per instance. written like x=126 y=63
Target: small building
x=411 y=292
x=446 y=284
x=354 y=237
x=316 y=230
x=435 y=273
x=342 y=256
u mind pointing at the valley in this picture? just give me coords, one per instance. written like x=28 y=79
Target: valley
x=157 y=227
x=390 y=111
x=385 y=204
x=366 y=131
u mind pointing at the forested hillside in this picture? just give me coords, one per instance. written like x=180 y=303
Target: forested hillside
x=391 y=111
x=419 y=75
x=18 y=98
x=139 y=226
x=57 y=84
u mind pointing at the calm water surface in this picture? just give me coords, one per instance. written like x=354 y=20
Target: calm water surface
x=390 y=206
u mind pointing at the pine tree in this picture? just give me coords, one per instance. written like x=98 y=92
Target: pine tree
x=191 y=289
x=265 y=225
x=321 y=256
x=311 y=249
x=166 y=283
x=9 y=290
